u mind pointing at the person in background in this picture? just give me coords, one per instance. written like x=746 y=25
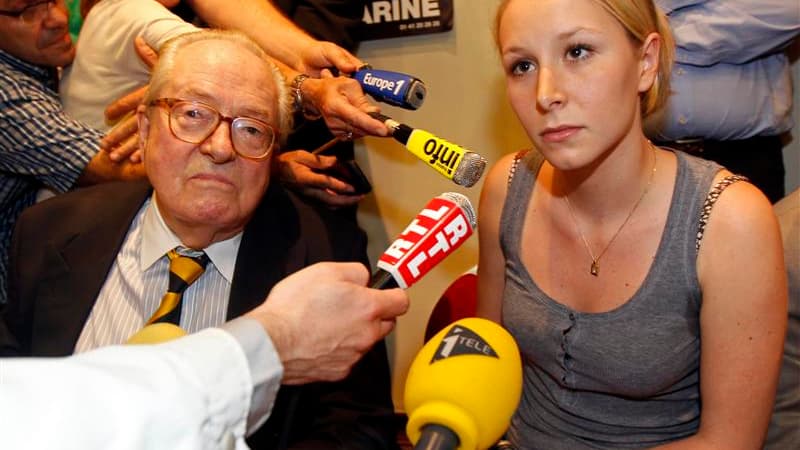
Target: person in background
x=40 y=146
x=169 y=394
x=645 y=287
x=731 y=98
x=784 y=428
x=207 y=131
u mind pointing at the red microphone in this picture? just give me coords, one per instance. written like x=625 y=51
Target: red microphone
x=438 y=230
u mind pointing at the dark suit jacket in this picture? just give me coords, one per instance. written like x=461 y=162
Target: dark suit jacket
x=64 y=248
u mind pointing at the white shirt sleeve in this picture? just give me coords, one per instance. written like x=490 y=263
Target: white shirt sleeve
x=191 y=393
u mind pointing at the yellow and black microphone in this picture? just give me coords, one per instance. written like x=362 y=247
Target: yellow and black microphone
x=463 y=166
x=463 y=387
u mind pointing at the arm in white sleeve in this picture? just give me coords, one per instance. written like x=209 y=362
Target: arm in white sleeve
x=191 y=393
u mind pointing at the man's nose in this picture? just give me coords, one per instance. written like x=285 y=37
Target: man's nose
x=56 y=16
x=219 y=145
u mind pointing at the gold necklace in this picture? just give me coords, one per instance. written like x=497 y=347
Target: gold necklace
x=594 y=269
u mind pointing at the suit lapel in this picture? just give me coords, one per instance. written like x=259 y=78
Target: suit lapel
x=271 y=249
x=78 y=266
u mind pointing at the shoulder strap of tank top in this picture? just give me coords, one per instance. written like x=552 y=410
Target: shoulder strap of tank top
x=708 y=204
x=521 y=176
x=532 y=160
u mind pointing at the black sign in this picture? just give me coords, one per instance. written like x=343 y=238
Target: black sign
x=462 y=341
x=395 y=18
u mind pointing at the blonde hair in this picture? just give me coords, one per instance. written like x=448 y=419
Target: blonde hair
x=639 y=18
x=162 y=72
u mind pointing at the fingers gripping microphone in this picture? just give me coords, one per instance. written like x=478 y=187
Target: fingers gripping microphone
x=394 y=88
x=462 y=166
x=463 y=387
x=438 y=230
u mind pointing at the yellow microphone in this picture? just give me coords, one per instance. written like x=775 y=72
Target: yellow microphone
x=463 y=387
x=462 y=166
x=156 y=333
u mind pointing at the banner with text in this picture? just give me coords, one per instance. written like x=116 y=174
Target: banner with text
x=396 y=18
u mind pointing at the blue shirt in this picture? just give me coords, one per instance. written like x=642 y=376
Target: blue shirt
x=731 y=78
x=39 y=145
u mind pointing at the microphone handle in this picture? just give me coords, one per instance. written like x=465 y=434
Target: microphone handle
x=437 y=437
x=382 y=279
x=400 y=131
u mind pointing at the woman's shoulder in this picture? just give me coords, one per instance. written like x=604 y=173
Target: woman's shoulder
x=739 y=215
x=739 y=201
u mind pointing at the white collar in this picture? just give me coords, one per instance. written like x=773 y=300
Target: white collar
x=158 y=239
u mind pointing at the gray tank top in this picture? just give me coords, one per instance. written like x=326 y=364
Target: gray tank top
x=626 y=378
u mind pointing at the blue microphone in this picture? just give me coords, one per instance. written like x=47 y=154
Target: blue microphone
x=394 y=88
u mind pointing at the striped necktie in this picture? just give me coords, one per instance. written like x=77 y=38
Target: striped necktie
x=185 y=267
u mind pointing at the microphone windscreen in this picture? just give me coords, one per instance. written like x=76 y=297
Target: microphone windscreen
x=156 y=333
x=467 y=378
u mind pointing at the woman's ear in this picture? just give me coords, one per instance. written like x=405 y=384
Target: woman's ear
x=648 y=65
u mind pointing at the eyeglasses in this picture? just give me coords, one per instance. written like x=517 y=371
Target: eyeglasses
x=194 y=122
x=32 y=13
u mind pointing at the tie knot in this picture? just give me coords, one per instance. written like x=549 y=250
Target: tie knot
x=185 y=267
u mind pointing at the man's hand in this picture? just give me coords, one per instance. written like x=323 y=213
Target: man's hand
x=300 y=171
x=321 y=55
x=343 y=104
x=323 y=319
x=102 y=169
x=122 y=141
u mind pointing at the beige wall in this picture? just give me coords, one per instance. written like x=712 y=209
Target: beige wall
x=466 y=104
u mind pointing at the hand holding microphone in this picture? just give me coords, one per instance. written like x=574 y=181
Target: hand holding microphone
x=463 y=387
x=463 y=166
x=445 y=223
x=394 y=88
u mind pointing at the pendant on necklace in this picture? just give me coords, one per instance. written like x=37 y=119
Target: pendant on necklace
x=595 y=268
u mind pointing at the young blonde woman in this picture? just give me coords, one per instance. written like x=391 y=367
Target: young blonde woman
x=645 y=288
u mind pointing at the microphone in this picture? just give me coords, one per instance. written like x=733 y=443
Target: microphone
x=456 y=163
x=156 y=333
x=394 y=88
x=463 y=387
x=438 y=230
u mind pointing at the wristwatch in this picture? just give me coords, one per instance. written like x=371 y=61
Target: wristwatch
x=297 y=83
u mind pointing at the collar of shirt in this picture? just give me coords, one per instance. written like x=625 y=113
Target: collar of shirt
x=43 y=74
x=158 y=239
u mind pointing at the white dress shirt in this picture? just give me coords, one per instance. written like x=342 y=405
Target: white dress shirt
x=193 y=393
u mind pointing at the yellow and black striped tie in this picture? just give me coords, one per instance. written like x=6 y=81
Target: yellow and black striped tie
x=185 y=267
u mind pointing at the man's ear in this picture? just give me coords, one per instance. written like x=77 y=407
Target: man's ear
x=648 y=64
x=144 y=128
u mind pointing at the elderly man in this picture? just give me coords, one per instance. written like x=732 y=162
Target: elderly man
x=42 y=147
x=204 y=241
